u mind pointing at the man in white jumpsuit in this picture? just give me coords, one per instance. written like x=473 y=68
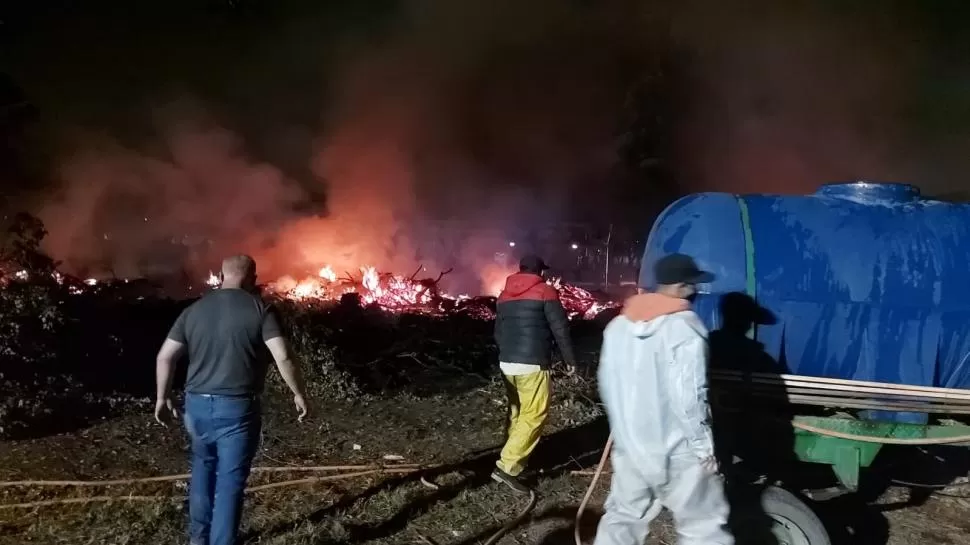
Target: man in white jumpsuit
x=653 y=381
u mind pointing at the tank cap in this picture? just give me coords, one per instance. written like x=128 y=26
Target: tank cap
x=871 y=192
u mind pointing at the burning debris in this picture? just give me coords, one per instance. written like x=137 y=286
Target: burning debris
x=74 y=285
x=386 y=291
x=397 y=293
x=389 y=291
x=579 y=302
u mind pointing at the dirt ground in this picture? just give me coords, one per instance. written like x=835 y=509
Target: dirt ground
x=455 y=434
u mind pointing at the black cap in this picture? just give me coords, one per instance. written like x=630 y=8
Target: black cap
x=532 y=263
x=679 y=268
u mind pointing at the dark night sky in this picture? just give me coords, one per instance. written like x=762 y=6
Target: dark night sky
x=483 y=110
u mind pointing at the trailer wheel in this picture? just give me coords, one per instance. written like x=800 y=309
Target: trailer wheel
x=793 y=521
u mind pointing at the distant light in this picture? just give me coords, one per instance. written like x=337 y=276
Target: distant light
x=91 y=281
x=574 y=246
x=512 y=244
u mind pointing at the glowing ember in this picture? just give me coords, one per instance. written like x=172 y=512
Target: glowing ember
x=579 y=302
x=396 y=293
x=392 y=293
x=327 y=274
x=304 y=289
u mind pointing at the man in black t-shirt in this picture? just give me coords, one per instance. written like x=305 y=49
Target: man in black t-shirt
x=224 y=334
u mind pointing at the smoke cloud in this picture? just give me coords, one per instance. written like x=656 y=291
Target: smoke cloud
x=460 y=128
x=799 y=96
x=127 y=211
x=435 y=137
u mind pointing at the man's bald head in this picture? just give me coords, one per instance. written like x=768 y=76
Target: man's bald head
x=238 y=271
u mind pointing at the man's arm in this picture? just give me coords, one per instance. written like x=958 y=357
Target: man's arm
x=288 y=369
x=498 y=328
x=273 y=337
x=689 y=394
x=170 y=352
x=168 y=355
x=165 y=361
x=559 y=324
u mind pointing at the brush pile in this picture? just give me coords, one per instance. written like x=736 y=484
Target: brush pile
x=75 y=349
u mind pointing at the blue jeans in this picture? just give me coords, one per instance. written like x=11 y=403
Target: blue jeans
x=225 y=435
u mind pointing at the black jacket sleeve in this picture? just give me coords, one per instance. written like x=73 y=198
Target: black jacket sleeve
x=559 y=324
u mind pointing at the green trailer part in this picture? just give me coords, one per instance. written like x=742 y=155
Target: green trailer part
x=758 y=435
x=847 y=456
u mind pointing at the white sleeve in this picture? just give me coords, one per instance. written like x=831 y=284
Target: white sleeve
x=689 y=394
x=606 y=364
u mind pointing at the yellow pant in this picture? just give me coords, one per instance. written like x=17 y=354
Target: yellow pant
x=528 y=409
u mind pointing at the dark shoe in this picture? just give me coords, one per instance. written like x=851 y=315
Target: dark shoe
x=514 y=483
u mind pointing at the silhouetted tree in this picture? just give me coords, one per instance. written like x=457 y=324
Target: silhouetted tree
x=21 y=246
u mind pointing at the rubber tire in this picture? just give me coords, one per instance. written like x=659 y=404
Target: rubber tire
x=779 y=501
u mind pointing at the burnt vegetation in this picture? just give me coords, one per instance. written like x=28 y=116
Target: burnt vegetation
x=77 y=366
x=72 y=353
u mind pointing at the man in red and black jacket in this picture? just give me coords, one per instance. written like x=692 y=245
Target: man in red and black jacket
x=529 y=315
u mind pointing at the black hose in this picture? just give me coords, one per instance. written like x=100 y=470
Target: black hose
x=533 y=500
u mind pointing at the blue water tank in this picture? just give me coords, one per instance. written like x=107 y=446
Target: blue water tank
x=866 y=281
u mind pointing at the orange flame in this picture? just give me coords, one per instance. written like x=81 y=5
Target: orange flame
x=398 y=293
x=391 y=292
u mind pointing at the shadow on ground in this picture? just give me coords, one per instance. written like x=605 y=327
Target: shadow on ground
x=558 y=454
